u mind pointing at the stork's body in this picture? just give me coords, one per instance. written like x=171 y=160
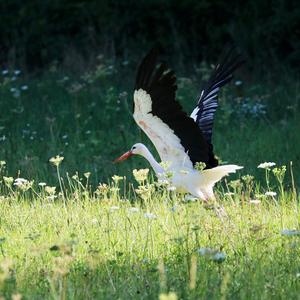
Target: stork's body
x=180 y=140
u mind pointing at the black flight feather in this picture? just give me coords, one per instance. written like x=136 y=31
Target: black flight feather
x=160 y=83
x=208 y=100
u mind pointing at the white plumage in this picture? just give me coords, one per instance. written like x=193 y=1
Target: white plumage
x=162 y=136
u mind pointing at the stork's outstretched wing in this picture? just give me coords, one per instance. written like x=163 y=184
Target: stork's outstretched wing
x=177 y=138
x=207 y=104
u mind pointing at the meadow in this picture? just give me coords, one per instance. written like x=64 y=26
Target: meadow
x=76 y=226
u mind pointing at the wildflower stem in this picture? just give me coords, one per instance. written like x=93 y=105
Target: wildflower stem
x=267 y=178
x=147 y=238
x=60 y=185
x=294 y=193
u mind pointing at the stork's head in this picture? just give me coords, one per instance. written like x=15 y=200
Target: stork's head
x=138 y=148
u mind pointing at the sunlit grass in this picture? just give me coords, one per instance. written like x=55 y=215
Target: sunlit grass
x=121 y=241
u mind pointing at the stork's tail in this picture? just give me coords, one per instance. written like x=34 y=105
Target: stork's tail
x=211 y=176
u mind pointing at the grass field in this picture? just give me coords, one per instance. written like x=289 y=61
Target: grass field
x=65 y=236
x=104 y=246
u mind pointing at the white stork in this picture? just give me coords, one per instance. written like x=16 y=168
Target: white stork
x=180 y=140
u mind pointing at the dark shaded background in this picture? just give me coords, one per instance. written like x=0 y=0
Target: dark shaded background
x=35 y=33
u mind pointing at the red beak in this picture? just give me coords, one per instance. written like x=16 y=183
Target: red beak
x=124 y=156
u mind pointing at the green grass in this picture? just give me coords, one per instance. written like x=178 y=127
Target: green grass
x=84 y=242
x=95 y=246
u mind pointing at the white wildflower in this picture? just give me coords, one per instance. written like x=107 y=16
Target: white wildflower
x=4 y=72
x=163 y=182
x=219 y=257
x=113 y=208
x=56 y=160
x=133 y=209
x=290 y=232
x=102 y=188
x=94 y=221
x=23 y=184
x=254 y=201
x=75 y=176
x=87 y=175
x=42 y=184
x=171 y=188
x=8 y=181
x=50 y=190
x=140 y=175
x=212 y=254
x=270 y=193
x=117 y=178
x=149 y=215
x=266 y=165
x=24 y=87
x=20 y=181
x=17 y=72
x=238 y=82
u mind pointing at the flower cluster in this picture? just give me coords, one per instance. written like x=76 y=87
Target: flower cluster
x=212 y=254
x=56 y=161
x=8 y=181
x=200 y=166
x=23 y=184
x=117 y=178
x=149 y=215
x=102 y=189
x=145 y=191
x=266 y=165
x=140 y=175
x=270 y=193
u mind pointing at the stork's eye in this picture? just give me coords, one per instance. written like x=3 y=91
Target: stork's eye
x=134 y=147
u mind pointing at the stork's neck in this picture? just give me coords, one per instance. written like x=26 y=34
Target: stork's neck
x=154 y=164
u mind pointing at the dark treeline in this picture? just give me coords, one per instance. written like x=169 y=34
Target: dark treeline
x=35 y=33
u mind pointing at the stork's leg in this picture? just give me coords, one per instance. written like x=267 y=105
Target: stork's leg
x=200 y=195
x=205 y=194
x=209 y=194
